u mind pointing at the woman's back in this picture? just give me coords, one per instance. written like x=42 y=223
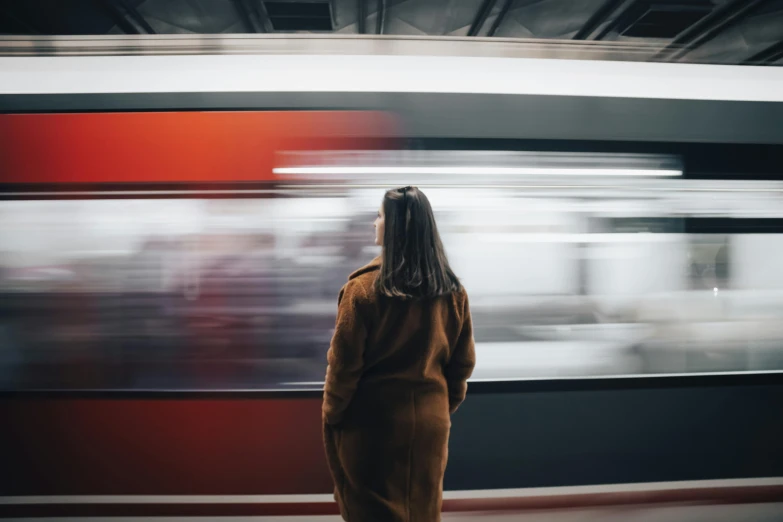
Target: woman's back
x=399 y=361
x=410 y=343
x=413 y=341
x=387 y=403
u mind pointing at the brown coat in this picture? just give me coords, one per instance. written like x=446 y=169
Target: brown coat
x=397 y=369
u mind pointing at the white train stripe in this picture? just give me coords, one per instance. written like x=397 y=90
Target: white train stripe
x=387 y=74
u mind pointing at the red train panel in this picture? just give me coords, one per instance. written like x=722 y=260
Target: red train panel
x=162 y=447
x=170 y=147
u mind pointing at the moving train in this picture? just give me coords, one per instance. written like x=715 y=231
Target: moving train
x=174 y=229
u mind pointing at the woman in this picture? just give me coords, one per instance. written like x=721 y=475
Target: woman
x=399 y=362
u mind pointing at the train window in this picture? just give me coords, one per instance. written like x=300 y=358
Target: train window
x=240 y=293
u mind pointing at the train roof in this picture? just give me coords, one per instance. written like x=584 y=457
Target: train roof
x=489 y=89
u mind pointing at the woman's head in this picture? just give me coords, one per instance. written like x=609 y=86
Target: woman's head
x=413 y=261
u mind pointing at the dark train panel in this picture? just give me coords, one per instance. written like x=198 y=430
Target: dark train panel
x=144 y=448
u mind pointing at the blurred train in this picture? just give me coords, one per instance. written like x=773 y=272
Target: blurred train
x=174 y=231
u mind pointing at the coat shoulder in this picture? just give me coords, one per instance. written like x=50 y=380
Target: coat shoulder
x=461 y=303
x=361 y=283
x=359 y=289
x=460 y=297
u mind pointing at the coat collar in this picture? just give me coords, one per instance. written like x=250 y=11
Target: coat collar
x=373 y=265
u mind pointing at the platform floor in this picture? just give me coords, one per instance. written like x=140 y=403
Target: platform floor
x=658 y=513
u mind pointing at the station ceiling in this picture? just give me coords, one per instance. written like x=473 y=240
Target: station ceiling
x=698 y=31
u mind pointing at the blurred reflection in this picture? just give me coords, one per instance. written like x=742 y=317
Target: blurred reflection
x=240 y=293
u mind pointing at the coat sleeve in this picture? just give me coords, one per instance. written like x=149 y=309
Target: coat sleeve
x=462 y=362
x=345 y=357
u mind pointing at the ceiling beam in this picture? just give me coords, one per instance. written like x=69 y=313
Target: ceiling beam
x=255 y=16
x=380 y=17
x=128 y=18
x=481 y=17
x=250 y=21
x=119 y=18
x=767 y=56
x=361 y=16
x=598 y=19
x=259 y=8
x=500 y=17
x=707 y=28
x=137 y=17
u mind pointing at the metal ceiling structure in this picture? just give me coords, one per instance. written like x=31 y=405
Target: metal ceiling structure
x=700 y=31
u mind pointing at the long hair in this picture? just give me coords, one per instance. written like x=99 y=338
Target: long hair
x=413 y=261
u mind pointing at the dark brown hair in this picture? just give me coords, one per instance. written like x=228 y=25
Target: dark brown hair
x=413 y=261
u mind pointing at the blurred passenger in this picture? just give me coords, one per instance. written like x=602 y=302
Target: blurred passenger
x=351 y=244
x=399 y=362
